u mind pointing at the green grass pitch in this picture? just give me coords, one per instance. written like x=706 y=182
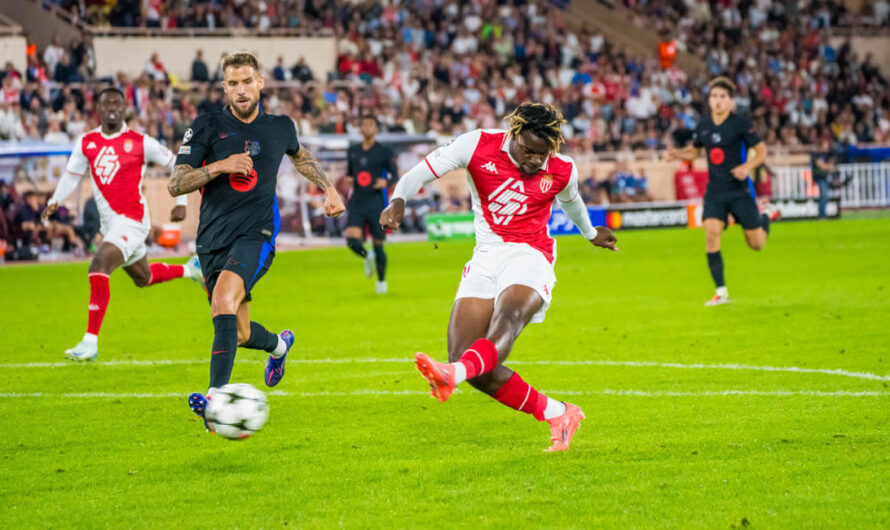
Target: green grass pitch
x=686 y=427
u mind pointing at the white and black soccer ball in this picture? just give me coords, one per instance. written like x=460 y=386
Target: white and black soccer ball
x=236 y=411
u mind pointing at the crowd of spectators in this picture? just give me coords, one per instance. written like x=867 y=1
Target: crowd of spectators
x=441 y=68
x=445 y=67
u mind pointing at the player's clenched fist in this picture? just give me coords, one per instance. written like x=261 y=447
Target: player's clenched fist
x=392 y=216
x=239 y=163
x=605 y=238
x=333 y=204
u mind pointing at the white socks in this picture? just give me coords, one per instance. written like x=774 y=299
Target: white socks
x=722 y=291
x=90 y=338
x=280 y=349
x=554 y=408
x=460 y=373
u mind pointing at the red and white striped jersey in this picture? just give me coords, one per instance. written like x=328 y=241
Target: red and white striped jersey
x=508 y=206
x=116 y=165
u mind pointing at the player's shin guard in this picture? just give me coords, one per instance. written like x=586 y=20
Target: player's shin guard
x=380 y=257
x=163 y=272
x=100 y=294
x=356 y=246
x=715 y=263
x=519 y=395
x=225 y=344
x=261 y=338
x=481 y=357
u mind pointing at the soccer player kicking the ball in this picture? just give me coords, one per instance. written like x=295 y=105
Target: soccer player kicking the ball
x=233 y=155
x=727 y=138
x=514 y=178
x=115 y=157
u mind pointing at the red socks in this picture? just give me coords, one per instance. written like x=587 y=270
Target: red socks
x=519 y=395
x=100 y=294
x=480 y=357
x=162 y=272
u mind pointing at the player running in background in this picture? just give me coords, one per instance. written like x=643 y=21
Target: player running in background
x=233 y=155
x=727 y=138
x=370 y=166
x=514 y=177
x=115 y=157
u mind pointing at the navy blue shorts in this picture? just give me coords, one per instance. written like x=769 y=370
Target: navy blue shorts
x=248 y=256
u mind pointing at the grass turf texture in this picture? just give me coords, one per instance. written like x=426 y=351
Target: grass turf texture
x=680 y=455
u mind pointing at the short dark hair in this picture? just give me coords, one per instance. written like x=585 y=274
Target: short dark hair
x=109 y=90
x=541 y=119
x=364 y=117
x=240 y=58
x=722 y=82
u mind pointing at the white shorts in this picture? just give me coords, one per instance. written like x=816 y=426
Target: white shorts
x=494 y=267
x=127 y=235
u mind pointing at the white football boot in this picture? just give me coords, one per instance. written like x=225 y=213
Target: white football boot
x=193 y=270
x=720 y=297
x=85 y=350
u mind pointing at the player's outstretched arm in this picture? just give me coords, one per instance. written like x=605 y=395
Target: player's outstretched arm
x=308 y=166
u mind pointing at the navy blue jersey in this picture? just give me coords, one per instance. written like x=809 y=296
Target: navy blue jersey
x=234 y=205
x=365 y=167
x=727 y=146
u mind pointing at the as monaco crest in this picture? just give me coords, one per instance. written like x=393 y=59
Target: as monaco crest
x=546 y=182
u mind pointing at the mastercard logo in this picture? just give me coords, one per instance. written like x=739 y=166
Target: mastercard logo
x=613 y=220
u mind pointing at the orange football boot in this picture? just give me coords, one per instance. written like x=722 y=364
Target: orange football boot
x=563 y=427
x=440 y=376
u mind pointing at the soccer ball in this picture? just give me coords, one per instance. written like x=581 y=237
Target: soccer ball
x=236 y=411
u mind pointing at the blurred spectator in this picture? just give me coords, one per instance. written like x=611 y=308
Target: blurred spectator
x=155 y=68
x=301 y=71
x=199 y=68
x=628 y=186
x=824 y=167
x=455 y=201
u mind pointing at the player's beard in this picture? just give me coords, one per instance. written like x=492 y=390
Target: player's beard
x=250 y=109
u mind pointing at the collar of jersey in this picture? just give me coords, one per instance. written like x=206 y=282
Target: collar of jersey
x=505 y=148
x=124 y=129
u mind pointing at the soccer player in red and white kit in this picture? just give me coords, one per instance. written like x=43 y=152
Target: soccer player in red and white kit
x=514 y=177
x=115 y=157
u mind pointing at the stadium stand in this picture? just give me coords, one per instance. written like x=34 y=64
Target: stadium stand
x=439 y=69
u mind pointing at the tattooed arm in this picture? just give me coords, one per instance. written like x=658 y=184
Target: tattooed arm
x=308 y=166
x=186 y=178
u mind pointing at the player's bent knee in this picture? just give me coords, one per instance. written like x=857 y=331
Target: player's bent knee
x=223 y=305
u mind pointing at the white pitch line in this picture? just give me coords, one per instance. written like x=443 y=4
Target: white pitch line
x=637 y=364
x=357 y=393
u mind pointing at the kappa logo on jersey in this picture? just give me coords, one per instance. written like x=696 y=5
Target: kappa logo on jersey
x=106 y=165
x=546 y=182
x=91 y=145
x=490 y=167
x=506 y=201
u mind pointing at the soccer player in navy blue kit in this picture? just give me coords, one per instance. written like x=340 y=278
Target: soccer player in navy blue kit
x=233 y=156
x=369 y=167
x=734 y=150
